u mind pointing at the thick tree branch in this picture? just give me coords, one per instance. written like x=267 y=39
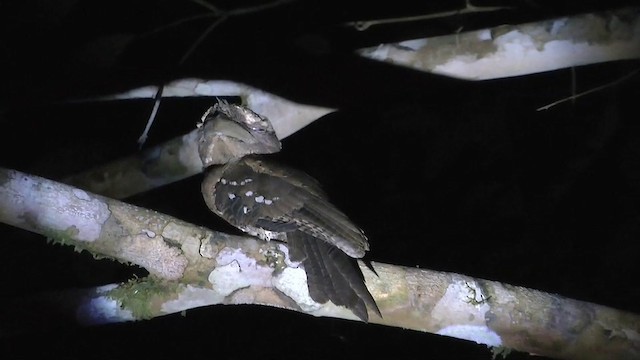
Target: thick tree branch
x=513 y=50
x=192 y=266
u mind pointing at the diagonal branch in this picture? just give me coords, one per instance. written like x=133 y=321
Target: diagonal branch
x=192 y=266
x=178 y=158
x=522 y=49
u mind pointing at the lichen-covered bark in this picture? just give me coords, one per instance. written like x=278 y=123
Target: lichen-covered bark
x=513 y=50
x=192 y=266
x=163 y=164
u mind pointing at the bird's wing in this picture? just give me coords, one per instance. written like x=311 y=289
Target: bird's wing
x=255 y=195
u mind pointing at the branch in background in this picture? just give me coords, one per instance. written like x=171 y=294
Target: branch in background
x=286 y=116
x=601 y=87
x=469 y=8
x=192 y=267
x=178 y=158
x=154 y=167
x=242 y=10
x=494 y=53
x=507 y=50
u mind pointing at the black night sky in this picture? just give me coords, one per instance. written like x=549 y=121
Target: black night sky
x=440 y=173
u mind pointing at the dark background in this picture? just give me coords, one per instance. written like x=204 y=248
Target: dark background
x=440 y=173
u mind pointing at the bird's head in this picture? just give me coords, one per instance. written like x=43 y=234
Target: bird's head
x=229 y=132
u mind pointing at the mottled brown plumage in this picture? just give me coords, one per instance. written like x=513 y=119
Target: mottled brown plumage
x=274 y=202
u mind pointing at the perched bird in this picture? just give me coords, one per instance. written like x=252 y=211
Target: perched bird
x=274 y=202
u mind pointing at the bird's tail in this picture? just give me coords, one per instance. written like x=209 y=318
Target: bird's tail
x=332 y=274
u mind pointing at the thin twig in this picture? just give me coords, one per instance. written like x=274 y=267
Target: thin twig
x=209 y=6
x=201 y=38
x=257 y=8
x=177 y=23
x=143 y=138
x=221 y=15
x=573 y=97
x=362 y=25
x=242 y=10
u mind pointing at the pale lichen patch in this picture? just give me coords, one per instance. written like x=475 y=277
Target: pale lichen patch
x=149 y=233
x=53 y=207
x=463 y=303
x=293 y=283
x=479 y=334
x=190 y=239
x=81 y=194
x=207 y=249
x=192 y=297
x=236 y=270
x=287 y=259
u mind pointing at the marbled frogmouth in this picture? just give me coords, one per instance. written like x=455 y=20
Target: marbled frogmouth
x=274 y=202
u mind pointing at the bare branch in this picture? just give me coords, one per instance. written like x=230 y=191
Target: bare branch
x=506 y=51
x=156 y=105
x=178 y=158
x=192 y=266
x=602 y=87
x=285 y=115
x=469 y=8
